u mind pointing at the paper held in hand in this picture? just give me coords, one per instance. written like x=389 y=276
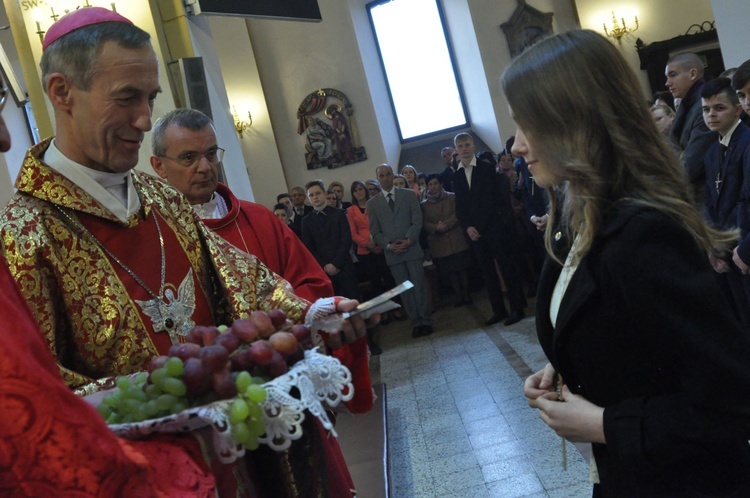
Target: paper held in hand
x=379 y=304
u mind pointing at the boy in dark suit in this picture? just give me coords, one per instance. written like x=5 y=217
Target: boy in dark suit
x=326 y=233
x=484 y=211
x=725 y=161
x=741 y=256
x=294 y=221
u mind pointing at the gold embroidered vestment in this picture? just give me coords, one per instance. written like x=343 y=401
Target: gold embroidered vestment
x=86 y=315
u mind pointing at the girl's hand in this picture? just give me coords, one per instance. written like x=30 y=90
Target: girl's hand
x=540 y=383
x=574 y=418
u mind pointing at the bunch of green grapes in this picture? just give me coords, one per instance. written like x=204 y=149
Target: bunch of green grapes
x=245 y=412
x=164 y=392
x=145 y=396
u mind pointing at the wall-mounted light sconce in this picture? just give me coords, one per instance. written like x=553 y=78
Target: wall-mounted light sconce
x=616 y=31
x=239 y=124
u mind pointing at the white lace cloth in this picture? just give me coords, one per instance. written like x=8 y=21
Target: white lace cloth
x=320 y=381
x=325 y=306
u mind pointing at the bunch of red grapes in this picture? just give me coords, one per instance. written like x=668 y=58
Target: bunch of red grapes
x=215 y=363
x=264 y=344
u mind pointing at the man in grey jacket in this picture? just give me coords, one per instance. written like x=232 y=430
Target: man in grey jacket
x=395 y=224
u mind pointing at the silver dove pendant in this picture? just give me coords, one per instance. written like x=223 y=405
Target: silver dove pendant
x=172 y=313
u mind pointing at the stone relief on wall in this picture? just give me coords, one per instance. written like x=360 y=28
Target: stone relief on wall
x=326 y=120
x=526 y=27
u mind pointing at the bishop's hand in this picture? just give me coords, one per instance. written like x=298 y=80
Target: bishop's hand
x=352 y=328
x=330 y=321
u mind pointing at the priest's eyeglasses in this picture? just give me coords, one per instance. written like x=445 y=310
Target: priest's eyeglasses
x=190 y=159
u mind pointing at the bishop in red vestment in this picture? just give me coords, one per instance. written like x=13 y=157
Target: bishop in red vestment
x=52 y=443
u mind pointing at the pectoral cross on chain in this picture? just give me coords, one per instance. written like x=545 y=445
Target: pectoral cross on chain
x=531 y=177
x=718 y=182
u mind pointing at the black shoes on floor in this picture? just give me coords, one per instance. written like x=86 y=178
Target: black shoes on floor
x=421 y=331
x=515 y=317
x=496 y=318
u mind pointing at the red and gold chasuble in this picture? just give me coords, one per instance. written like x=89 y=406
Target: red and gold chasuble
x=139 y=250
x=87 y=307
x=85 y=303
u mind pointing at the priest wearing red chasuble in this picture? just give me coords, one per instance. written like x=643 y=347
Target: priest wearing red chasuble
x=186 y=155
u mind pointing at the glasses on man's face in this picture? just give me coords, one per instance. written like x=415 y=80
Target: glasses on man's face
x=189 y=159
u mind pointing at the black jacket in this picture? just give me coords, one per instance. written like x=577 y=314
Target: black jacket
x=295 y=223
x=535 y=198
x=447 y=178
x=328 y=237
x=690 y=132
x=486 y=205
x=724 y=178
x=644 y=332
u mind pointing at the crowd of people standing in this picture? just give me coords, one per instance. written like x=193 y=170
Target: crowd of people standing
x=480 y=215
x=706 y=125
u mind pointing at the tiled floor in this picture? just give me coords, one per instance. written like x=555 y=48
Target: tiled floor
x=459 y=425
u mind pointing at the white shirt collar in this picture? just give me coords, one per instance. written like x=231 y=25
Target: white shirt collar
x=214 y=209
x=471 y=164
x=392 y=191
x=95 y=183
x=728 y=137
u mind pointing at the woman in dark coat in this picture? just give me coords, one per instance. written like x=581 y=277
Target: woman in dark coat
x=651 y=365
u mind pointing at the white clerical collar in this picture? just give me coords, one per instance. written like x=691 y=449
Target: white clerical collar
x=471 y=164
x=122 y=202
x=728 y=137
x=214 y=209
